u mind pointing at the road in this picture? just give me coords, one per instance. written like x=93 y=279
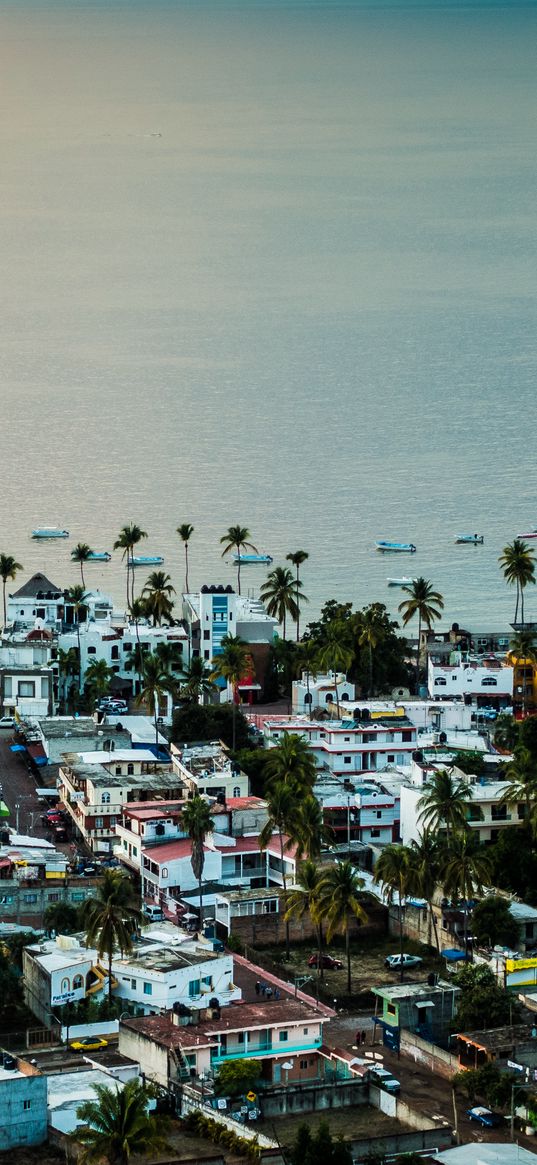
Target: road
x=19 y=793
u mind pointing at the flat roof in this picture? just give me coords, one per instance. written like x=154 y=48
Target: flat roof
x=249 y=895
x=498 y=1038
x=67 y=1088
x=234 y=1017
x=411 y=990
x=162 y=959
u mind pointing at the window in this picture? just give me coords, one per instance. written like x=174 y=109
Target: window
x=194 y=988
x=206 y=655
x=27 y=1104
x=305 y=1031
x=105 y=798
x=206 y=634
x=133 y=984
x=30 y=897
x=347 y=760
x=148 y=988
x=99 y=822
x=207 y=981
x=114 y=654
x=374 y=832
x=283 y=1037
x=391 y=758
x=440 y=682
x=113 y=820
x=92 y=651
x=236 y=791
x=130 y=770
x=489 y=682
x=164 y=871
x=127 y=647
x=270 y=906
x=240 y=1037
x=391 y=1009
x=66 y=985
x=379 y=814
x=78 y=896
x=303 y=1064
x=26 y=688
x=118 y=770
x=54 y=897
x=78 y=982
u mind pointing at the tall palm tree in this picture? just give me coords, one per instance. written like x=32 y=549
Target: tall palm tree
x=298 y=557
x=8 y=570
x=68 y=665
x=185 y=533
x=505 y=732
x=129 y=537
x=76 y=597
x=237 y=538
x=445 y=803
x=522 y=787
x=157 y=594
x=338 y=900
x=517 y=561
x=335 y=654
x=424 y=602
x=307 y=654
x=82 y=553
x=282 y=807
x=111 y=917
x=157 y=684
x=303 y=898
x=311 y=831
x=522 y=650
x=281 y=595
x=138 y=611
x=118 y=1126
x=171 y=656
x=233 y=664
x=465 y=871
x=369 y=634
x=98 y=678
x=393 y=872
x=196 y=681
x=292 y=763
x=425 y=859
x=196 y=819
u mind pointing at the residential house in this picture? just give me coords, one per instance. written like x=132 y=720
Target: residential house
x=487 y=813
x=23 y=1103
x=311 y=693
x=206 y=770
x=366 y=744
x=482 y=681
x=37 y=599
x=424 y=1008
x=216 y=611
x=34 y=876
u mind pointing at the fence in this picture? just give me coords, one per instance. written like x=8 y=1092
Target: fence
x=424 y=1052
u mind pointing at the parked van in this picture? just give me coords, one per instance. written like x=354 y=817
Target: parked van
x=153 y=913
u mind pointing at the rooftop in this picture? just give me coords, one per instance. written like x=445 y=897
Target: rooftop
x=499 y=1039
x=235 y=1017
x=487 y=1154
x=101 y=777
x=37 y=584
x=153 y=810
x=409 y=990
x=161 y=960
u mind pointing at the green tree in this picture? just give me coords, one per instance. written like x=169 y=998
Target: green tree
x=129 y=537
x=425 y=858
x=427 y=604
x=185 y=533
x=196 y=819
x=338 y=900
x=98 y=678
x=517 y=561
x=237 y=1077
x=493 y=923
x=82 y=553
x=505 y=732
x=76 y=597
x=282 y=807
x=170 y=654
x=306 y=664
x=197 y=684
x=136 y=613
x=292 y=763
x=233 y=664
x=481 y=997
x=61 y=917
x=445 y=803
x=118 y=1125
x=318 y=1147
x=465 y=871
x=310 y=829
x=157 y=684
x=212 y=722
x=298 y=558
x=471 y=763
x=11 y=998
x=157 y=593
x=393 y=872
x=237 y=538
x=514 y=862
x=8 y=570
x=370 y=635
x=303 y=898
x=111 y=917
x=281 y=596
x=335 y=654
x=521 y=774
x=68 y=664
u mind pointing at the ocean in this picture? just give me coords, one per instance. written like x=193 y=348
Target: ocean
x=271 y=263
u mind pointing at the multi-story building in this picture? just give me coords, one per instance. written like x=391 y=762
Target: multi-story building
x=483 y=681
x=23 y=1103
x=365 y=744
x=310 y=693
x=115 y=641
x=206 y=770
x=217 y=611
x=487 y=812
x=34 y=876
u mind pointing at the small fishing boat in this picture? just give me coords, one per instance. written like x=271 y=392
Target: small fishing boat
x=147 y=560
x=530 y=534
x=400 y=582
x=397 y=547
x=99 y=556
x=472 y=539
x=249 y=559
x=50 y=532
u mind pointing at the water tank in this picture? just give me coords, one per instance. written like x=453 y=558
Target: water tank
x=160 y=830
x=417 y=756
x=366 y=714
x=357 y=714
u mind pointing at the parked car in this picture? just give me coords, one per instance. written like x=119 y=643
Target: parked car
x=108 y=704
x=327 y=962
x=153 y=913
x=7 y=722
x=385 y=1080
x=393 y=962
x=485 y=1117
x=93 y=1044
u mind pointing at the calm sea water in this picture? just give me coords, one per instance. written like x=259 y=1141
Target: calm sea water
x=271 y=262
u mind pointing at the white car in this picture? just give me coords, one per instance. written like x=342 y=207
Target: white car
x=7 y=722
x=394 y=962
x=385 y=1080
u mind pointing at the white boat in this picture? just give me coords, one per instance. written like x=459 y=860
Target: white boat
x=400 y=582
x=147 y=560
x=99 y=556
x=247 y=559
x=530 y=534
x=50 y=532
x=396 y=547
x=472 y=539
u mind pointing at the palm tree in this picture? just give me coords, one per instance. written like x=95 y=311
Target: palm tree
x=307 y=654
x=505 y=732
x=185 y=533
x=111 y=917
x=196 y=681
x=335 y=654
x=445 y=804
x=76 y=596
x=522 y=649
x=369 y=634
x=303 y=898
x=129 y=537
x=522 y=787
x=393 y=872
x=280 y=595
x=233 y=664
x=338 y=899
x=8 y=570
x=196 y=819
x=292 y=763
x=98 y=678
x=282 y=807
x=68 y=665
x=425 y=858
x=311 y=831
x=118 y=1126
x=138 y=611
x=170 y=654
x=157 y=684
x=157 y=593
x=424 y=602
x=237 y=538
x=82 y=553
x=298 y=557
x=465 y=871
x=517 y=561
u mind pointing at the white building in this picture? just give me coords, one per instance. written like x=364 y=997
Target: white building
x=479 y=680
x=206 y=770
x=36 y=600
x=487 y=814
x=67 y=1090
x=313 y=692
x=23 y=1103
x=345 y=747
x=114 y=642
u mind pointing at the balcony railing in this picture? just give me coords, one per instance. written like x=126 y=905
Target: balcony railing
x=239 y=1053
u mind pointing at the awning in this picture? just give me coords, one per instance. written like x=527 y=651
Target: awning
x=37 y=753
x=17 y=748
x=4 y=863
x=45 y=792
x=423 y=1003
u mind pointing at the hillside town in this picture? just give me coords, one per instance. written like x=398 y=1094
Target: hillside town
x=268 y=884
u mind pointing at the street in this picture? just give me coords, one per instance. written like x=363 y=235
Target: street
x=19 y=785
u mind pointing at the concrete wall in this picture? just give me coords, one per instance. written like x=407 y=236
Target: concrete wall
x=268 y=929
x=108 y=1027
x=152 y=1058
x=20 y=1125
x=319 y=1096
x=433 y=1057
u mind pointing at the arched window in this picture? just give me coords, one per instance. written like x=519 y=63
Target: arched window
x=78 y=982
x=92 y=651
x=115 y=652
x=236 y=791
x=105 y=798
x=329 y=699
x=344 y=696
x=307 y=698
x=66 y=986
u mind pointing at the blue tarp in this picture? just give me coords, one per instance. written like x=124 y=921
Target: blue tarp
x=453 y=955
x=17 y=748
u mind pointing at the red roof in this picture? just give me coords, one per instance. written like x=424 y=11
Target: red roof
x=241 y=803
x=171 y=851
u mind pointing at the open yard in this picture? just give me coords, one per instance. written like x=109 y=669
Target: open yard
x=354 y=1122
x=367 y=964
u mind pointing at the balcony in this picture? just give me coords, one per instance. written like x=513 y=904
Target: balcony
x=265 y=1049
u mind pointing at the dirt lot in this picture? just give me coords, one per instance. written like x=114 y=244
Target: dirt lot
x=360 y=1121
x=367 y=965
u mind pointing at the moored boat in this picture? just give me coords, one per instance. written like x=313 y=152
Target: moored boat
x=397 y=547
x=99 y=556
x=248 y=559
x=473 y=539
x=147 y=560
x=400 y=582
x=530 y=534
x=50 y=532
